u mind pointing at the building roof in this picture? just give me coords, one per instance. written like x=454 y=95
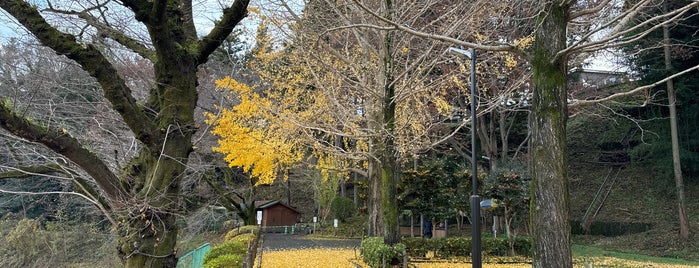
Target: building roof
x=269 y=203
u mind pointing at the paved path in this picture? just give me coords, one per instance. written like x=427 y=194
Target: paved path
x=272 y=241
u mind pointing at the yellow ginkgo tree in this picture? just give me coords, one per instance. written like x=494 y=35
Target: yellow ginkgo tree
x=340 y=100
x=249 y=140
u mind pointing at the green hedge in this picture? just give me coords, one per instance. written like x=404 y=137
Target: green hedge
x=461 y=246
x=244 y=238
x=452 y=246
x=247 y=229
x=375 y=253
x=232 y=247
x=225 y=261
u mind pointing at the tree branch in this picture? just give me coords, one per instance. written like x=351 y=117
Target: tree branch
x=589 y=11
x=106 y=30
x=29 y=171
x=631 y=92
x=63 y=144
x=230 y=204
x=92 y=61
x=188 y=20
x=231 y=17
x=616 y=37
x=397 y=26
x=140 y=8
x=81 y=186
x=119 y=37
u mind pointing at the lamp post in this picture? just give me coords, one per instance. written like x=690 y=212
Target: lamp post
x=475 y=199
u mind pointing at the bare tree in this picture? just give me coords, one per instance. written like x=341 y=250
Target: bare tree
x=143 y=195
x=603 y=24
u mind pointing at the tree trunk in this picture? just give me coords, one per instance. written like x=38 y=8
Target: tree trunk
x=388 y=154
x=148 y=238
x=375 y=210
x=504 y=154
x=388 y=201
x=149 y=233
x=383 y=170
x=676 y=164
x=412 y=226
x=550 y=212
x=145 y=198
x=355 y=197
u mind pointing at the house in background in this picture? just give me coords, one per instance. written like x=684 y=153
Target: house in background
x=597 y=79
x=276 y=213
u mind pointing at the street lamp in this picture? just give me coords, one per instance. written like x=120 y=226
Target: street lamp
x=475 y=199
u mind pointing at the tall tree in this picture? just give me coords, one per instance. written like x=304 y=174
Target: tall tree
x=598 y=25
x=550 y=209
x=674 y=137
x=663 y=52
x=143 y=197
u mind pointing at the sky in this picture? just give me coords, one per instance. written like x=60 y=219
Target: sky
x=8 y=27
x=208 y=11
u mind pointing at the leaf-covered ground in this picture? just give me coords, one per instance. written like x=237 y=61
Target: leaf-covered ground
x=341 y=258
x=299 y=258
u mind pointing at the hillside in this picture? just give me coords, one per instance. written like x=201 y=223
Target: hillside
x=641 y=193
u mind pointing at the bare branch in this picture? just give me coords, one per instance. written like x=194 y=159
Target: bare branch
x=590 y=11
x=92 y=61
x=141 y=9
x=106 y=30
x=30 y=171
x=619 y=36
x=231 y=17
x=397 y=26
x=229 y=203
x=633 y=91
x=49 y=192
x=64 y=144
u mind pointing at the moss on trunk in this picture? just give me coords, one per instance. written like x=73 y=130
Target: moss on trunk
x=550 y=212
x=147 y=238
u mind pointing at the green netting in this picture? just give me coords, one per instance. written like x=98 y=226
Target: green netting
x=194 y=258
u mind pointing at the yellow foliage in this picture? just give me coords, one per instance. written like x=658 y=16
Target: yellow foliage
x=254 y=10
x=311 y=258
x=479 y=37
x=443 y=107
x=329 y=165
x=247 y=140
x=510 y=61
x=524 y=43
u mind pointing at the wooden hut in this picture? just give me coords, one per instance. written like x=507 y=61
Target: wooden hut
x=276 y=213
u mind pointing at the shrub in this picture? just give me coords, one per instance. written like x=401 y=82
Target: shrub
x=418 y=247
x=27 y=240
x=375 y=253
x=353 y=227
x=523 y=246
x=342 y=208
x=244 y=238
x=225 y=261
x=495 y=246
x=461 y=246
x=247 y=229
x=231 y=247
x=453 y=246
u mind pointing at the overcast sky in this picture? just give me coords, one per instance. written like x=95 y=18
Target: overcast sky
x=208 y=11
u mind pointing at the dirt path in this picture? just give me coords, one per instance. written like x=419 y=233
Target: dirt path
x=273 y=241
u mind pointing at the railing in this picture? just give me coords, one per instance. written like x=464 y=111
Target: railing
x=194 y=258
